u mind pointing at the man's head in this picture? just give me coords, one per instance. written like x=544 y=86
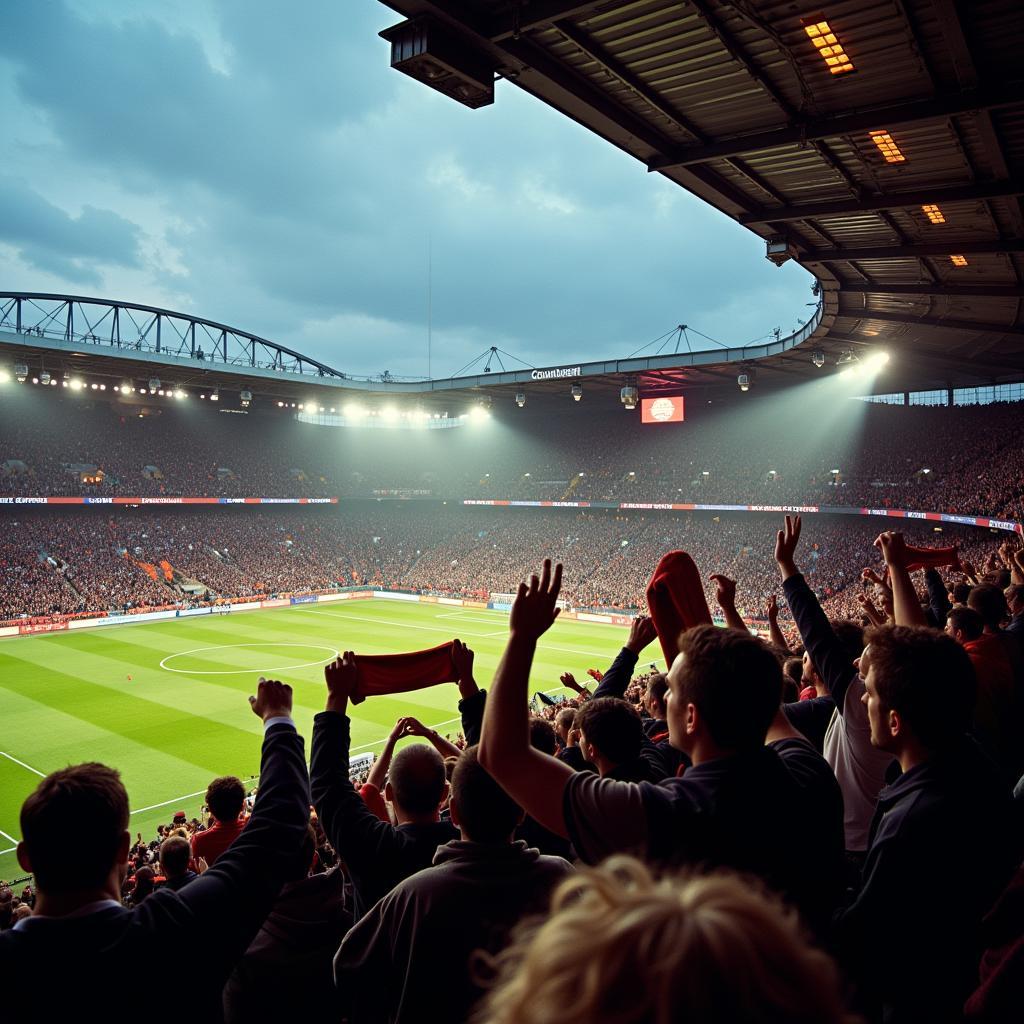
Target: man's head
x=960 y=592
x=988 y=601
x=654 y=696
x=416 y=782
x=1014 y=595
x=920 y=688
x=480 y=808
x=964 y=624
x=89 y=803
x=175 y=853
x=610 y=732
x=225 y=797
x=724 y=690
x=542 y=736
x=565 y=721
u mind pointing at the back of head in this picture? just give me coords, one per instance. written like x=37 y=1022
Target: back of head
x=966 y=621
x=417 y=779
x=988 y=601
x=961 y=591
x=657 y=687
x=733 y=680
x=542 y=736
x=483 y=810
x=87 y=802
x=175 y=854
x=708 y=948
x=225 y=797
x=565 y=720
x=613 y=727
x=925 y=676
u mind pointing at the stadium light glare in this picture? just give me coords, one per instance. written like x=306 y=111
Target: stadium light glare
x=154 y=385
x=5 y=377
x=479 y=414
x=35 y=380
x=389 y=414
x=353 y=411
x=103 y=387
x=179 y=394
x=215 y=396
x=96 y=387
x=76 y=384
x=20 y=372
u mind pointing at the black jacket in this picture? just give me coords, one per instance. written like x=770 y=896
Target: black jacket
x=52 y=968
x=377 y=854
x=944 y=843
x=410 y=959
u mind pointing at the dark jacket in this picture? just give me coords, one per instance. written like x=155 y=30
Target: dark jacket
x=50 y=968
x=286 y=973
x=410 y=959
x=943 y=845
x=377 y=854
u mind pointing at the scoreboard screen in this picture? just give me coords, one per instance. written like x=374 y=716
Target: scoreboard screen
x=666 y=409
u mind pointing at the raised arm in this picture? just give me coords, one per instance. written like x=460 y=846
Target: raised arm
x=938 y=599
x=907 y=608
x=354 y=831
x=414 y=727
x=827 y=654
x=471 y=698
x=533 y=779
x=228 y=902
x=725 y=595
x=379 y=772
x=616 y=680
x=774 y=633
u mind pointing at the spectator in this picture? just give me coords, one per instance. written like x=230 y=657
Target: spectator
x=175 y=854
x=946 y=816
x=741 y=805
x=225 y=797
x=428 y=928
x=377 y=854
x=106 y=951
x=622 y=948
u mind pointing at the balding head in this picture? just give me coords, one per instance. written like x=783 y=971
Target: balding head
x=416 y=781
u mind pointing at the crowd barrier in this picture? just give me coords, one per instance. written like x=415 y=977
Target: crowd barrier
x=832 y=510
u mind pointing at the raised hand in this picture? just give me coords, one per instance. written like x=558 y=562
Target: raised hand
x=641 y=633
x=893 y=548
x=535 y=607
x=341 y=676
x=725 y=591
x=273 y=700
x=772 y=609
x=414 y=727
x=786 y=541
x=568 y=680
x=463 y=657
x=871 y=610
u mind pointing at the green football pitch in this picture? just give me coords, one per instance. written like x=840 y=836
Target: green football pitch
x=165 y=702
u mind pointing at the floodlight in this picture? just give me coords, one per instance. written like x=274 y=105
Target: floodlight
x=479 y=414
x=154 y=384
x=20 y=372
x=745 y=378
x=44 y=378
x=354 y=411
x=818 y=358
x=245 y=397
x=629 y=396
x=520 y=398
x=4 y=377
x=215 y=397
x=577 y=392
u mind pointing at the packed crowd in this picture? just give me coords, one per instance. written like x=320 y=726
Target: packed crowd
x=77 y=561
x=730 y=840
x=727 y=456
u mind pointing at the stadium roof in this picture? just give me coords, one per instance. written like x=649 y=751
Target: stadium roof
x=872 y=143
x=880 y=145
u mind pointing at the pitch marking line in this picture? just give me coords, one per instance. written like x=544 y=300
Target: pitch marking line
x=245 y=671
x=34 y=771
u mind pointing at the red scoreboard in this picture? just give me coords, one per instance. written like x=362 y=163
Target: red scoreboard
x=666 y=409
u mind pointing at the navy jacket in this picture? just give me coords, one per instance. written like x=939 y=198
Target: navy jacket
x=54 y=968
x=944 y=843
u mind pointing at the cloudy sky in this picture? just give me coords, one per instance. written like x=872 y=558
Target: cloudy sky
x=259 y=164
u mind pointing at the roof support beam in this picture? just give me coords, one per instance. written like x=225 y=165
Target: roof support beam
x=535 y=15
x=894 y=252
x=974 y=326
x=805 y=131
x=892 y=201
x=987 y=291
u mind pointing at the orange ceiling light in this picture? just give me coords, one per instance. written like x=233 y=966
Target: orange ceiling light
x=887 y=146
x=959 y=261
x=933 y=213
x=826 y=42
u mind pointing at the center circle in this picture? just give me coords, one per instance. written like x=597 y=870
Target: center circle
x=333 y=653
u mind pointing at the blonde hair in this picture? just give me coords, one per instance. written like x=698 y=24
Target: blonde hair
x=623 y=948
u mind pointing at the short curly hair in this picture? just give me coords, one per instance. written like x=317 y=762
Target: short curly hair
x=225 y=797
